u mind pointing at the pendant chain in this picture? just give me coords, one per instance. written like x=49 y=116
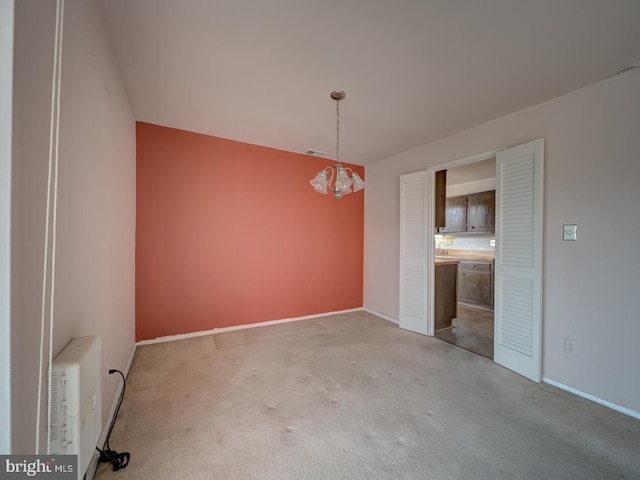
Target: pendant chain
x=338 y=131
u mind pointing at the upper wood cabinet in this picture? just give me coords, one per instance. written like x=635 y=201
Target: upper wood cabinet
x=481 y=212
x=441 y=197
x=456 y=214
x=473 y=213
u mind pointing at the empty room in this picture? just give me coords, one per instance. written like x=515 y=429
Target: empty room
x=264 y=239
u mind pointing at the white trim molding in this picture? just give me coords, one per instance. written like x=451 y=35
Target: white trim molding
x=171 y=338
x=593 y=398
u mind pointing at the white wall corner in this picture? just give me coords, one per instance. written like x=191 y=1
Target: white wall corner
x=381 y=315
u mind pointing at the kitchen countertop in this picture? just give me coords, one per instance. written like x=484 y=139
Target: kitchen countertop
x=445 y=260
x=475 y=255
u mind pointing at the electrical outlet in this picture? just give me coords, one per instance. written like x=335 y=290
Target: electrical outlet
x=106 y=369
x=449 y=241
x=492 y=242
x=569 y=346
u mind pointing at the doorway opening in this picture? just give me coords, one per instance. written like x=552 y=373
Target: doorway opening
x=464 y=254
x=517 y=274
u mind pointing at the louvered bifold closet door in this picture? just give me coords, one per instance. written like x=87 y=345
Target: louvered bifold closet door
x=414 y=271
x=518 y=288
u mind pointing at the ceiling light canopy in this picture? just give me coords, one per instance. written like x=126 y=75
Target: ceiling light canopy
x=336 y=177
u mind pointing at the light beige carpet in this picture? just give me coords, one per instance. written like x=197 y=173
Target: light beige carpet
x=354 y=397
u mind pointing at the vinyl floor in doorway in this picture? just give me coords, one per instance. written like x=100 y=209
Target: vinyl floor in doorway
x=472 y=330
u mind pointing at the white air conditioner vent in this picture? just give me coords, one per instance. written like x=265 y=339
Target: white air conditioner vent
x=76 y=417
x=315 y=153
x=53 y=435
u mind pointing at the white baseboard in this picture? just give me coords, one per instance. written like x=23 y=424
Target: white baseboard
x=381 y=315
x=613 y=406
x=93 y=464
x=171 y=338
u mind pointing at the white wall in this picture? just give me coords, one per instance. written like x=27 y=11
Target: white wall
x=476 y=241
x=96 y=205
x=591 y=178
x=6 y=85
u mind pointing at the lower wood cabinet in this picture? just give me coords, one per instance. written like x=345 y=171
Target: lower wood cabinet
x=475 y=283
x=446 y=305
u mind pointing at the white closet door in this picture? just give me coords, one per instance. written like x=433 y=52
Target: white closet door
x=518 y=266
x=414 y=268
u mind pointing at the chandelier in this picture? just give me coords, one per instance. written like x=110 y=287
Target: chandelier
x=336 y=177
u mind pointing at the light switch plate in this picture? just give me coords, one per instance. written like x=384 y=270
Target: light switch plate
x=570 y=346
x=492 y=242
x=569 y=232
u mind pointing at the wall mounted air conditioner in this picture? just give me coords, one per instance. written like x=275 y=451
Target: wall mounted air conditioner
x=76 y=416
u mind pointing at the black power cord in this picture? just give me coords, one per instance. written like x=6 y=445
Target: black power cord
x=118 y=460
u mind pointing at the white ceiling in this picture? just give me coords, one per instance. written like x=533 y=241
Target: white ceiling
x=261 y=71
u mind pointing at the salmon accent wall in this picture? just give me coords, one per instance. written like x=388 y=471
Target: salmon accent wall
x=229 y=233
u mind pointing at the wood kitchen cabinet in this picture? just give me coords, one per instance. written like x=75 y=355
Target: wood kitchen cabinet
x=473 y=213
x=456 y=214
x=441 y=198
x=475 y=283
x=446 y=305
x=481 y=212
